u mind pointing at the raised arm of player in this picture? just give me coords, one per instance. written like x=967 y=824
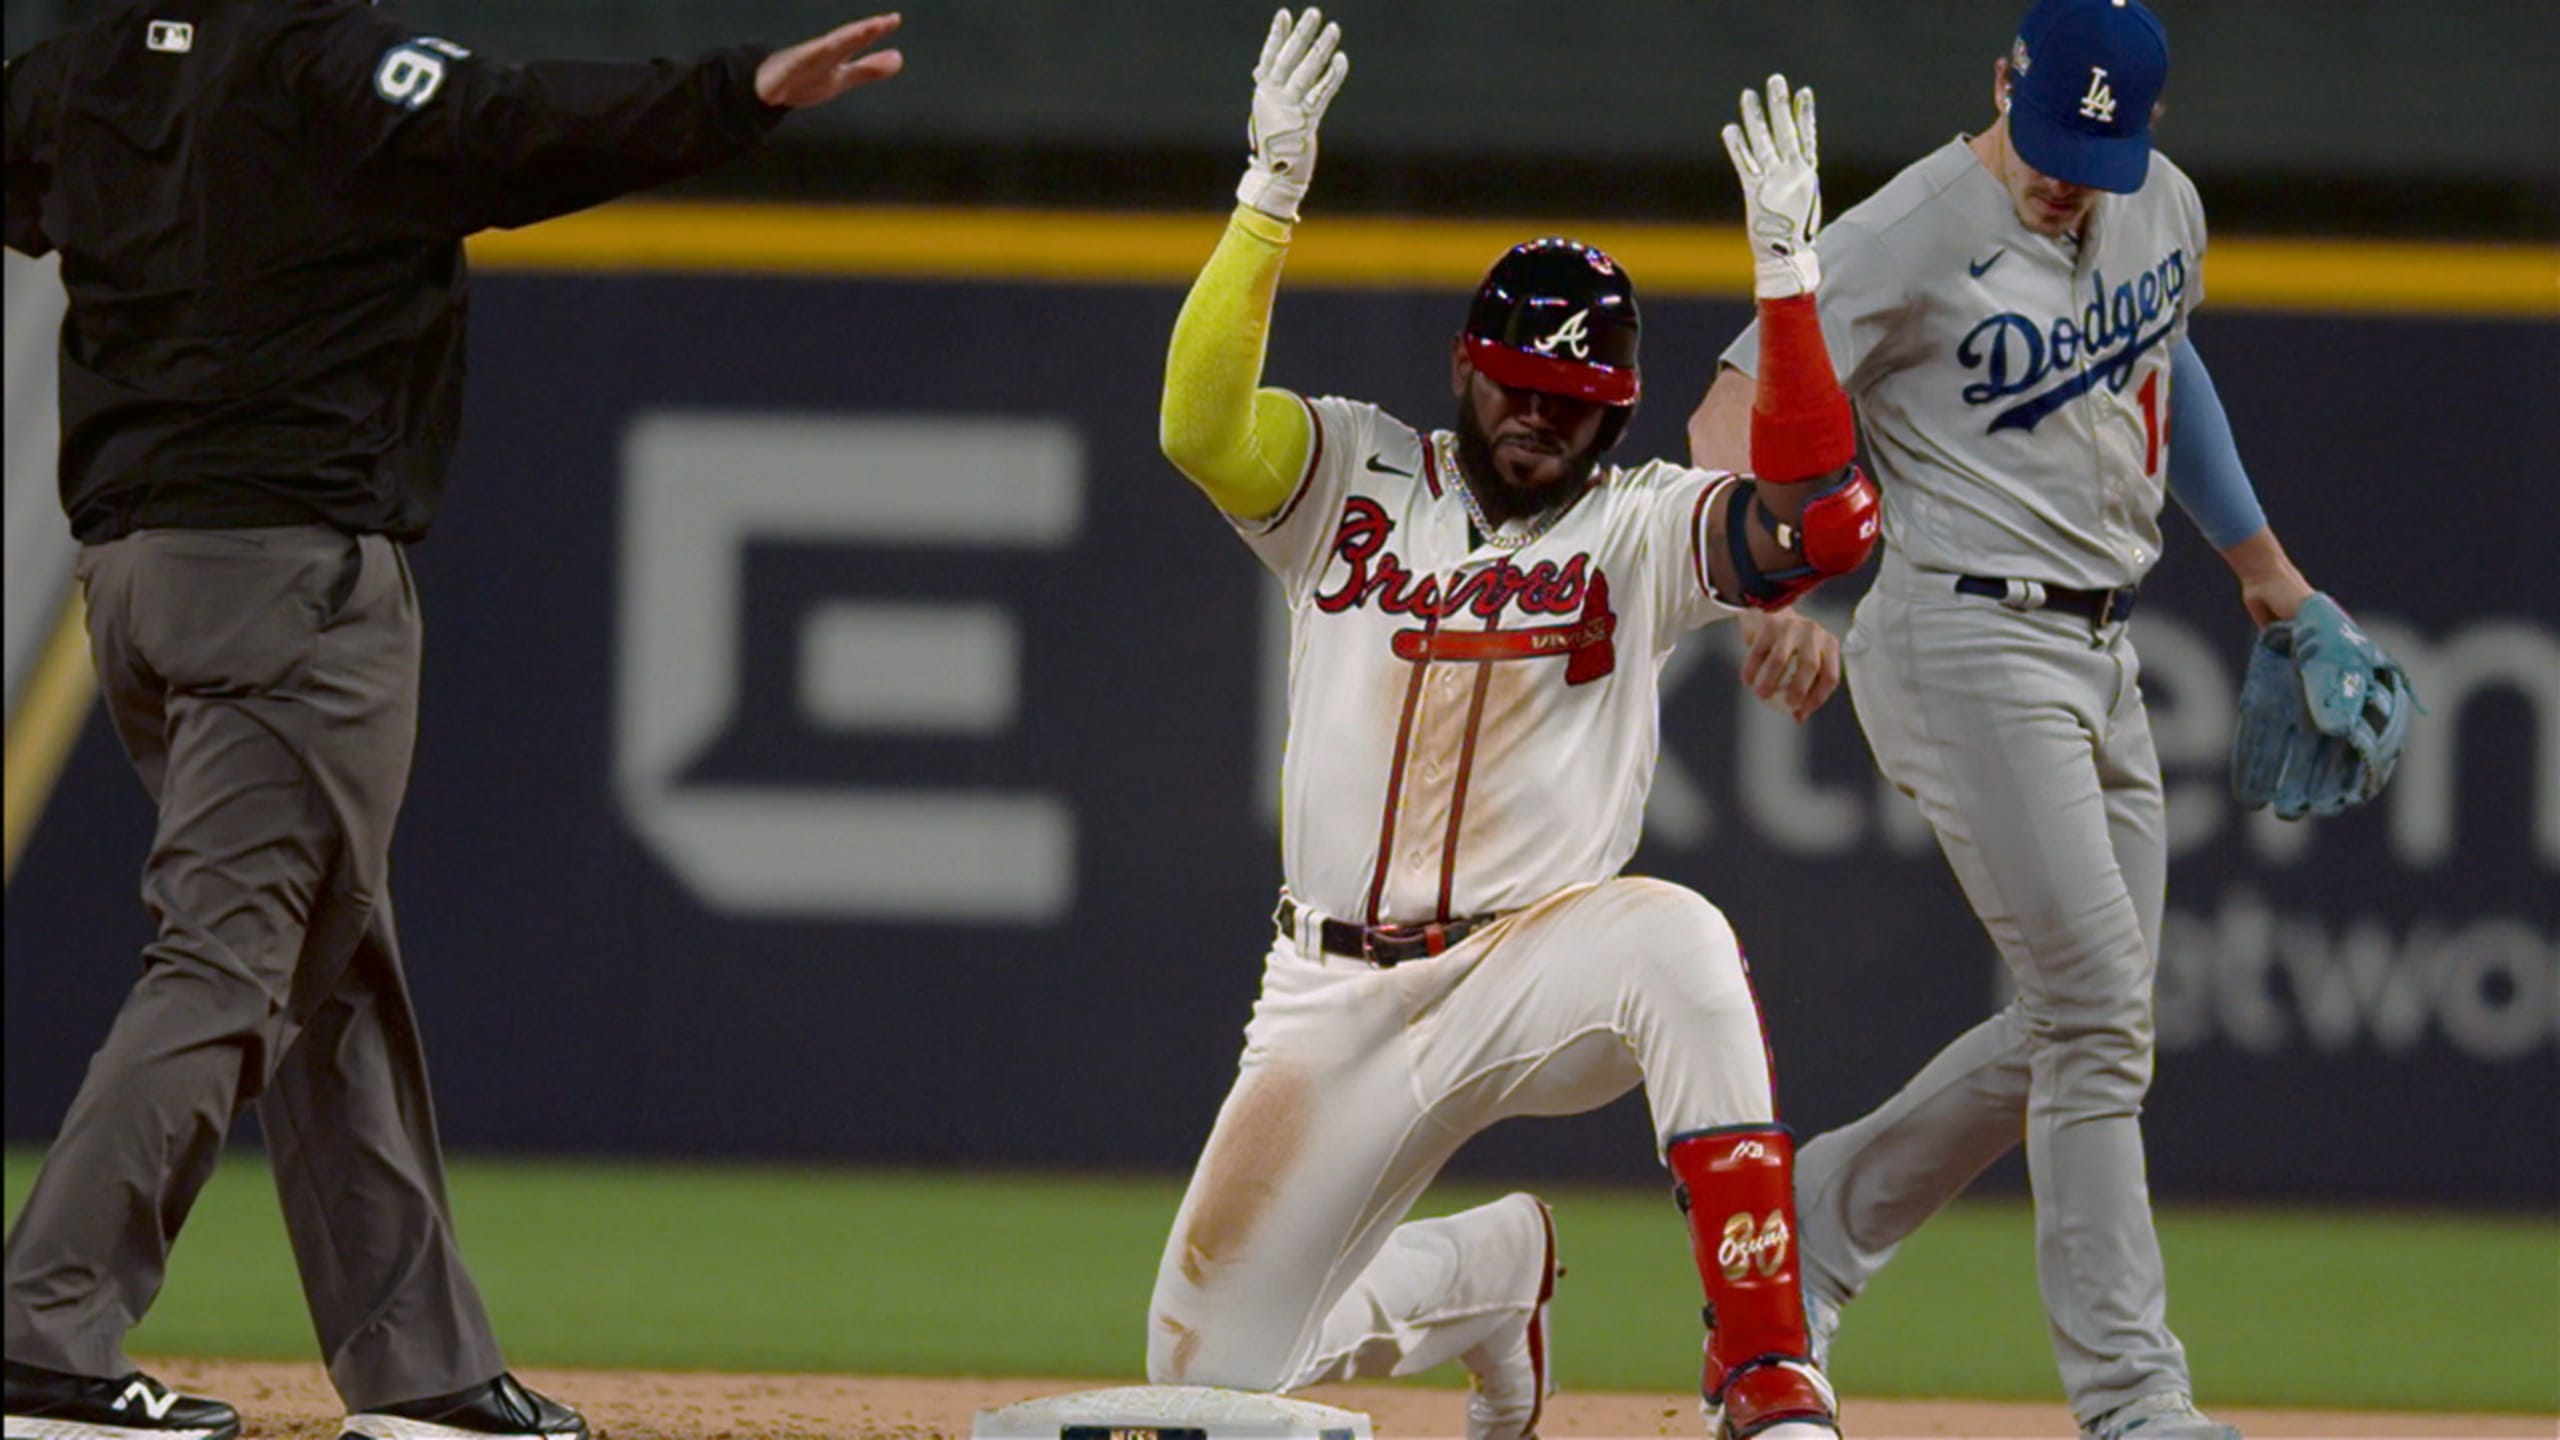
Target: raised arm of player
x=434 y=138
x=1789 y=659
x=1245 y=446
x=1809 y=514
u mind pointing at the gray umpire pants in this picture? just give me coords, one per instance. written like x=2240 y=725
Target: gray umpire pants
x=265 y=685
x=2023 y=737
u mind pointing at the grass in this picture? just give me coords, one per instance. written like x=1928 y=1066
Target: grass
x=753 y=1268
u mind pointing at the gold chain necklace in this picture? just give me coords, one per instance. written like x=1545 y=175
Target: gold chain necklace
x=1475 y=509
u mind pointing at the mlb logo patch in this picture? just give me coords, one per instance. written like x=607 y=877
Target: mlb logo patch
x=170 y=37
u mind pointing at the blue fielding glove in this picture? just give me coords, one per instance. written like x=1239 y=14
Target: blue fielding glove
x=2323 y=715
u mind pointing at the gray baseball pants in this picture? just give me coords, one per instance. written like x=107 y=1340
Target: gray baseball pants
x=264 y=683
x=2023 y=737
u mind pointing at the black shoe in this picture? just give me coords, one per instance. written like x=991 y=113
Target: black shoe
x=50 y=1405
x=500 y=1409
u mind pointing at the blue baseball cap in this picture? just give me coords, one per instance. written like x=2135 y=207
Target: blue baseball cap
x=2084 y=76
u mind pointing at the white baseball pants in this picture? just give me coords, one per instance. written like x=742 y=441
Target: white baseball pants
x=1287 y=1264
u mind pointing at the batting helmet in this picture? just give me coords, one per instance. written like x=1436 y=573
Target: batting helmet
x=1558 y=316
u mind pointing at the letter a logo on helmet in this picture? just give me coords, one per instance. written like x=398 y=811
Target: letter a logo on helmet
x=1560 y=317
x=1572 y=334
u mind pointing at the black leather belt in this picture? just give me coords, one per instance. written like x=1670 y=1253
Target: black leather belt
x=1384 y=945
x=2098 y=607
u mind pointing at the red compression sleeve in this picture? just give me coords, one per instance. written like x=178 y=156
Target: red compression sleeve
x=1800 y=425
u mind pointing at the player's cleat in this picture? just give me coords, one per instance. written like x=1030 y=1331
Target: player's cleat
x=50 y=1405
x=1821 y=1322
x=2165 y=1416
x=1510 y=1377
x=500 y=1409
x=1772 y=1399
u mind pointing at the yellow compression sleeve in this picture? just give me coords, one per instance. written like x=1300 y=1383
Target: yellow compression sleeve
x=1245 y=447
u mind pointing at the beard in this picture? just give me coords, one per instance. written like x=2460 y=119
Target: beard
x=1503 y=500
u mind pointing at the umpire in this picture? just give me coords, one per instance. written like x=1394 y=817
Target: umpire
x=260 y=206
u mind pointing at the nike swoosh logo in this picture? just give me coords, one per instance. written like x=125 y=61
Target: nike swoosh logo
x=1378 y=463
x=1979 y=267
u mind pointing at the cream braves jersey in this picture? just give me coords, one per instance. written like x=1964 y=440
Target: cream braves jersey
x=2012 y=388
x=1472 y=727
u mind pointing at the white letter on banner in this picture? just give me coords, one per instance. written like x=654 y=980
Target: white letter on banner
x=698 y=487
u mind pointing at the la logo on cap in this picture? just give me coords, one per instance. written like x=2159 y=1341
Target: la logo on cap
x=2085 y=77
x=2100 y=103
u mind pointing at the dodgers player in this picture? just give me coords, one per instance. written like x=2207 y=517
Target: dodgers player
x=1479 y=619
x=2009 y=316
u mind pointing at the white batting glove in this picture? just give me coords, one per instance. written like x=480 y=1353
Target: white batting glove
x=1302 y=65
x=1773 y=153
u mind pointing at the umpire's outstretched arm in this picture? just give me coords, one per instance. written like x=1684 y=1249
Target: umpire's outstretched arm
x=430 y=134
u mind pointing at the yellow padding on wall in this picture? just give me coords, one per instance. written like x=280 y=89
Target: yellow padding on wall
x=1089 y=247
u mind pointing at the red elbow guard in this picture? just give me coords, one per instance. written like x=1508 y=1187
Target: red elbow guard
x=1800 y=424
x=1840 y=525
x=1833 y=536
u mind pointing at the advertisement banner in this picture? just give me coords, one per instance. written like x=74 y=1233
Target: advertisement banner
x=845 y=737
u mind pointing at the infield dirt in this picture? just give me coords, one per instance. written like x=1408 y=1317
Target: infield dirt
x=281 y=1400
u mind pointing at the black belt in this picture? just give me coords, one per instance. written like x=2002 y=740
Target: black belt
x=1384 y=945
x=2098 y=607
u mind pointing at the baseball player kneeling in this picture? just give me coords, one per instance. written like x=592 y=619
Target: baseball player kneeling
x=1479 y=618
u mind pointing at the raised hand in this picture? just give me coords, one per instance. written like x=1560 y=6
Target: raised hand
x=1302 y=65
x=814 y=72
x=1773 y=155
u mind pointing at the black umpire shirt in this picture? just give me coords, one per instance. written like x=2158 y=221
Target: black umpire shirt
x=260 y=206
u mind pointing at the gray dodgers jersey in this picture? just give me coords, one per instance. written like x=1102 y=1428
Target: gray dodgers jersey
x=2012 y=389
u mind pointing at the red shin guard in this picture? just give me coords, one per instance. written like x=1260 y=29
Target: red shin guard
x=1800 y=425
x=1737 y=1188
